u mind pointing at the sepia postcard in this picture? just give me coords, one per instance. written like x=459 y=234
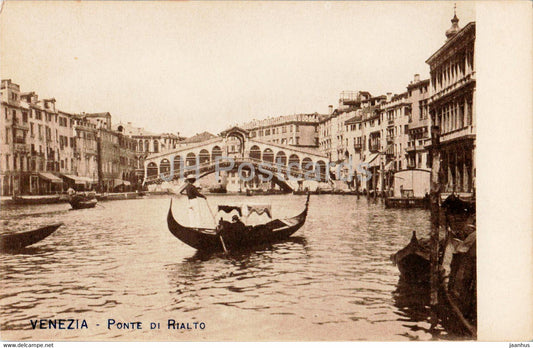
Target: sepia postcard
x=265 y=171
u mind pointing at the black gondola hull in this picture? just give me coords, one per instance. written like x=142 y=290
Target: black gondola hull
x=20 y=240
x=83 y=204
x=207 y=240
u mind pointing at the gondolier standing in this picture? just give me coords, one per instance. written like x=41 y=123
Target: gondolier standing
x=192 y=193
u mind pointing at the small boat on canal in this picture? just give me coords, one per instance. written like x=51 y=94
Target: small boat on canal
x=19 y=240
x=233 y=236
x=83 y=204
x=36 y=200
x=413 y=260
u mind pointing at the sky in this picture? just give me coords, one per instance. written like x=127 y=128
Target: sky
x=190 y=67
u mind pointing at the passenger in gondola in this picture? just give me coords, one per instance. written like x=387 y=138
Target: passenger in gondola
x=237 y=224
x=192 y=194
x=233 y=232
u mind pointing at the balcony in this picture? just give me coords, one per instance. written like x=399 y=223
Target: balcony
x=417 y=145
x=374 y=148
x=357 y=147
x=21 y=148
x=21 y=126
x=390 y=121
x=465 y=132
x=390 y=139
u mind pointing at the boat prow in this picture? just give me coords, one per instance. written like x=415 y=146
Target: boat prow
x=207 y=239
x=19 y=240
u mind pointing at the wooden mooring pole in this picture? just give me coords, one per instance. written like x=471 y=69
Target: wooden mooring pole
x=435 y=190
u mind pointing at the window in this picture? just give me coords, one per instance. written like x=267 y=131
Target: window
x=297 y=140
x=31 y=130
x=24 y=116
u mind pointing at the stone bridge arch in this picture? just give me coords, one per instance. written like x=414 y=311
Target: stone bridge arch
x=206 y=154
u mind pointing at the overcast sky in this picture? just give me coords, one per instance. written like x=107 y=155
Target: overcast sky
x=193 y=66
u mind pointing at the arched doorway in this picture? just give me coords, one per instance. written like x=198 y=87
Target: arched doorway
x=281 y=158
x=204 y=156
x=151 y=170
x=255 y=152
x=321 y=166
x=164 y=167
x=216 y=152
x=268 y=155
x=307 y=164
x=190 y=160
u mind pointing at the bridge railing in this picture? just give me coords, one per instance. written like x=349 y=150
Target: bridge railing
x=204 y=169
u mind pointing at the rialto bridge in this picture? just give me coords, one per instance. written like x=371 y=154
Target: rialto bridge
x=232 y=151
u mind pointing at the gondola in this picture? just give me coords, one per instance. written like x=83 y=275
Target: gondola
x=208 y=240
x=81 y=204
x=413 y=260
x=18 y=240
x=36 y=200
x=458 y=206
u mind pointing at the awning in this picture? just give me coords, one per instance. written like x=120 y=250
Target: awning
x=50 y=177
x=79 y=180
x=247 y=209
x=88 y=180
x=257 y=208
x=389 y=165
x=119 y=182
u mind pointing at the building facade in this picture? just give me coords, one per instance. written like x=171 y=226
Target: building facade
x=452 y=106
x=45 y=150
x=299 y=130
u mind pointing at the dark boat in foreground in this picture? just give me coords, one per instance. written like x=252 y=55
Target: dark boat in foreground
x=208 y=240
x=413 y=260
x=83 y=204
x=18 y=240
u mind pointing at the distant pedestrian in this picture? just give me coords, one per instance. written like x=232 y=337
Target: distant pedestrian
x=71 y=191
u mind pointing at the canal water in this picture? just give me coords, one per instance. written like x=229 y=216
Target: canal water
x=332 y=281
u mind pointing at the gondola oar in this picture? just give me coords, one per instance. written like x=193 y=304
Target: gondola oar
x=219 y=235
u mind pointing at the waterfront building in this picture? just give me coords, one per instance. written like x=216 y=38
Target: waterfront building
x=117 y=161
x=46 y=150
x=331 y=129
x=37 y=143
x=419 y=125
x=85 y=153
x=299 y=130
x=452 y=106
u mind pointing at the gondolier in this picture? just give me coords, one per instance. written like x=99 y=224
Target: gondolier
x=192 y=194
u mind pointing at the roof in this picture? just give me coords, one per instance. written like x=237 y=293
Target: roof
x=98 y=114
x=459 y=37
x=353 y=120
x=236 y=129
x=198 y=138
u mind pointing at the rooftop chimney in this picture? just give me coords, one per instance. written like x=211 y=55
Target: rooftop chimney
x=389 y=96
x=330 y=109
x=417 y=78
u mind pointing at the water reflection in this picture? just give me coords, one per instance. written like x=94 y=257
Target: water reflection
x=332 y=280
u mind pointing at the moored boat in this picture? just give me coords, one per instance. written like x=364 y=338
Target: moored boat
x=413 y=260
x=18 y=240
x=36 y=200
x=208 y=239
